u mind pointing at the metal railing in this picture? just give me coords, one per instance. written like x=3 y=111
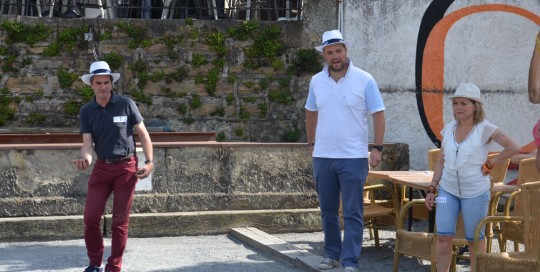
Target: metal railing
x=265 y=10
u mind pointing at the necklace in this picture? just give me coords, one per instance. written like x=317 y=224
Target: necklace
x=468 y=135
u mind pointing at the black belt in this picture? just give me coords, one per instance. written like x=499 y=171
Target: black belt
x=118 y=160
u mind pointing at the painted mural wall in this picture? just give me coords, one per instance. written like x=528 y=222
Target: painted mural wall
x=420 y=51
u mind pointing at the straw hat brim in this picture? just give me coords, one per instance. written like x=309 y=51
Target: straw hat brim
x=320 y=48
x=86 y=78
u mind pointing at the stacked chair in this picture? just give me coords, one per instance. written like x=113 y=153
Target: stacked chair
x=528 y=224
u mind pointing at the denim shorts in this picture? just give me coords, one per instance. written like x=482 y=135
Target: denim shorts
x=473 y=209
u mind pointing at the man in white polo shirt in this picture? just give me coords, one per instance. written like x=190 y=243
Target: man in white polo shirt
x=340 y=98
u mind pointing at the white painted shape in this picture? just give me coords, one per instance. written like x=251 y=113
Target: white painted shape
x=144 y=184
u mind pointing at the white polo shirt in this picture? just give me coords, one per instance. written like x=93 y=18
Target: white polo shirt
x=343 y=108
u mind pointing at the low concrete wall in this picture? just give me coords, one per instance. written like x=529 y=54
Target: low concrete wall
x=39 y=180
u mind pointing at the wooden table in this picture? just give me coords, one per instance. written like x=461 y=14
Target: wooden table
x=412 y=180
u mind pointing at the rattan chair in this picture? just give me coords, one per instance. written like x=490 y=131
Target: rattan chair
x=510 y=232
x=380 y=212
x=497 y=174
x=528 y=224
x=421 y=244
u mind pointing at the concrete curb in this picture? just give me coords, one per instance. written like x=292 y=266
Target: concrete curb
x=294 y=256
x=47 y=228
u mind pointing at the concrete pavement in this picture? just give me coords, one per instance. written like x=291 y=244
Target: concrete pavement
x=243 y=249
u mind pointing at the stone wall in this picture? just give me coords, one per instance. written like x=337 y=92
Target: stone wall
x=197 y=176
x=167 y=67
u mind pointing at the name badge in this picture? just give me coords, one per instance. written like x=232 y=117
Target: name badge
x=440 y=199
x=120 y=119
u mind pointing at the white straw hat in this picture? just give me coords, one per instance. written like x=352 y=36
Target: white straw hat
x=469 y=91
x=99 y=68
x=332 y=37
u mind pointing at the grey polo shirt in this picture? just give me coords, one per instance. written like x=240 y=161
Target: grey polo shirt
x=111 y=127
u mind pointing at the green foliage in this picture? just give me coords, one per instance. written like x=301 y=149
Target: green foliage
x=189 y=21
x=216 y=40
x=306 y=61
x=138 y=95
x=188 y=120
x=182 y=109
x=170 y=41
x=219 y=112
x=250 y=99
x=7 y=66
x=179 y=75
x=277 y=64
x=244 y=31
x=221 y=137
x=86 y=93
x=71 y=108
x=239 y=132
x=52 y=50
x=281 y=97
x=35 y=119
x=3 y=51
x=27 y=61
x=211 y=82
x=18 y=32
x=66 y=78
x=231 y=78
x=69 y=37
x=292 y=135
x=198 y=60
x=199 y=79
x=263 y=109
x=265 y=82
x=138 y=66
x=244 y=114
x=196 y=101
x=157 y=76
x=136 y=33
x=267 y=46
x=195 y=34
x=230 y=98
x=107 y=35
x=6 y=111
x=143 y=78
x=115 y=60
x=249 y=84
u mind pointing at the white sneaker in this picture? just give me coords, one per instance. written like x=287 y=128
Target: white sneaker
x=350 y=269
x=328 y=264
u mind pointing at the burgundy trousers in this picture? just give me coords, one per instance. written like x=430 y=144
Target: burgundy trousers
x=119 y=179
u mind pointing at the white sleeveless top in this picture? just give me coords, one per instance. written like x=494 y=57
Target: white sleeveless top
x=462 y=173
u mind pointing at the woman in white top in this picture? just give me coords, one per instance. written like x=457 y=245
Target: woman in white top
x=461 y=174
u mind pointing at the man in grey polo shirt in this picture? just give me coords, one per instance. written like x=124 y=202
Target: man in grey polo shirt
x=107 y=124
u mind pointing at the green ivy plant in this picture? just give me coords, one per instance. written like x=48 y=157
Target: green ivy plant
x=71 y=108
x=35 y=119
x=136 y=33
x=87 y=93
x=66 y=78
x=292 y=135
x=138 y=95
x=196 y=101
x=115 y=60
x=221 y=137
x=18 y=32
x=306 y=61
x=6 y=110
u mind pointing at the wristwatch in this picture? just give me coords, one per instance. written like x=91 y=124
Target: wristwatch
x=378 y=147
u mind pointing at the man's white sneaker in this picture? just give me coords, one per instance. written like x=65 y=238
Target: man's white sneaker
x=328 y=264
